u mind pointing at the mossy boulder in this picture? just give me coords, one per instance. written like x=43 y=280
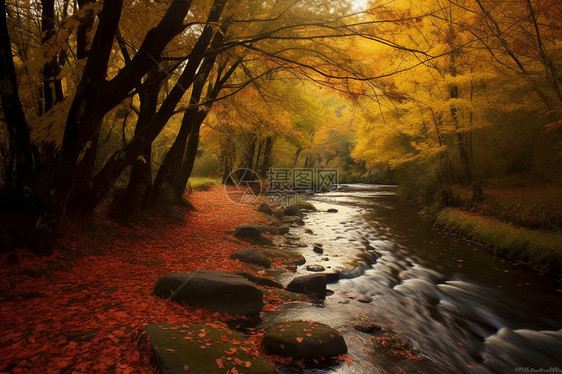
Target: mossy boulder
x=252 y=256
x=202 y=349
x=306 y=340
x=215 y=290
x=252 y=233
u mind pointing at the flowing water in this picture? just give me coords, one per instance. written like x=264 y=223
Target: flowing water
x=459 y=306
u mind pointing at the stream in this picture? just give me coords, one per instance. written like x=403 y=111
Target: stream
x=457 y=305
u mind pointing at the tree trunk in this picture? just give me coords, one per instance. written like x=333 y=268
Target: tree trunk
x=21 y=181
x=256 y=166
x=180 y=179
x=173 y=161
x=80 y=127
x=140 y=180
x=105 y=179
x=84 y=27
x=266 y=164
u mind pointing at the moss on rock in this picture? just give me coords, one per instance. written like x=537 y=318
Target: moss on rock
x=202 y=348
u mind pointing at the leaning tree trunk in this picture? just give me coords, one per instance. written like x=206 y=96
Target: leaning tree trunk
x=140 y=180
x=179 y=181
x=104 y=180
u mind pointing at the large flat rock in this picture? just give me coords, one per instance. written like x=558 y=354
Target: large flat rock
x=210 y=348
x=252 y=256
x=215 y=290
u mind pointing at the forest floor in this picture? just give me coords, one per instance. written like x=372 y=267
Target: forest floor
x=82 y=309
x=523 y=223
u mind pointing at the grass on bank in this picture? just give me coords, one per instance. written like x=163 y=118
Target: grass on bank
x=202 y=183
x=541 y=249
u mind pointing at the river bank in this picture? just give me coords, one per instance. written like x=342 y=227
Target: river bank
x=87 y=307
x=521 y=223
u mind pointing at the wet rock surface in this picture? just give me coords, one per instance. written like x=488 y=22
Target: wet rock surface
x=306 y=340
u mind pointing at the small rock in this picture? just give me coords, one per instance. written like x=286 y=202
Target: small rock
x=252 y=256
x=318 y=250
x=284 y=229
x=332 y=210
x=291 y=268
x=306 y=340
x=265 y=208
x=292 y=211
x=325 y=259
x=364 y=300
x=315 y=267
x=253 y=233
x=368 y=328
x=308 y=231
x=318 y=244
x=314 y=284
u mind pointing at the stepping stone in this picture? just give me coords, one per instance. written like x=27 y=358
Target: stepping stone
x=314 y=284
x=253 y=233
x=318 y=250
x=292 y=211
x=368 y=328
x=177 y=348
x=215 y=290
x=332 y=210
x=265 y=208
x=315 y=267
x=304 y=340
x=252 y=256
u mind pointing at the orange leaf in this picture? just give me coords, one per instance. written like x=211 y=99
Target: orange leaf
x=230 y=351
x=185 y=368
x=299 y=339
x=219 y=363
x=248 y=364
